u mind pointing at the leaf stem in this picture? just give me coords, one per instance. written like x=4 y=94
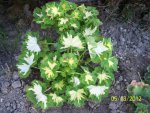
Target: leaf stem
x=51 y=43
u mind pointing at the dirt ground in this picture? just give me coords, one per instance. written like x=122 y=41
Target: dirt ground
x=131 y=45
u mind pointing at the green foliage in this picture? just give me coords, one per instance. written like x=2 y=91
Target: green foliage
x=77 y=67
x=141 y=108
x=147 y=76
x=141 y=89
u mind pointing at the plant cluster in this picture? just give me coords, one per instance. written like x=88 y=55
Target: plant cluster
x=141 y=89
x=76 y=67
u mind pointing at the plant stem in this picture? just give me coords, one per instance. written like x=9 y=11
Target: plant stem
x=82 y=55
x=50 y=43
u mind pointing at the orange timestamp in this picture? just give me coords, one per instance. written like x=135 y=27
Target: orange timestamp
x=126 y=98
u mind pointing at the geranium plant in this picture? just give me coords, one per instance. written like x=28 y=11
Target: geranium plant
x=76 y=67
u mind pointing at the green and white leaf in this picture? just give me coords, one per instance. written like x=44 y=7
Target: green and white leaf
x=59 y=85
x=77 y=97
x=89 y=32
x=63 y=21
x=48 y=69
x=100 y=48
x=39 y=95
x=52 y=10
x=103 y=77
x=87 y=76
x=31 y=44
x=97 y=90
x=87 y=14
x=74 y=25
x=75 y=80
x=57 y=100
x=71 y=41
x=69 y=59
x=24 y=67
x=110 y=63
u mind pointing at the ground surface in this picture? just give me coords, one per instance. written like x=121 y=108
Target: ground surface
x=131 y=46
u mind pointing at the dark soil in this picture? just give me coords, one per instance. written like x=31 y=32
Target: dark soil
x=131 y=40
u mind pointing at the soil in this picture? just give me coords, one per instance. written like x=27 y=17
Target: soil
x=131 y=45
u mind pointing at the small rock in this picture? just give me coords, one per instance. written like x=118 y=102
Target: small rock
x=16 y=84
x=120 y=78
x=7 y=104
x=4 y=88
x=15 y=75
x=14 y=105
x=112 y=106
x=118 y=87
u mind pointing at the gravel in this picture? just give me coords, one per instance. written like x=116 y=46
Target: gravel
x=5 y=87
x=15 y=75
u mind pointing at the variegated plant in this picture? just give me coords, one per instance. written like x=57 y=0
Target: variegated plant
x=78 y=67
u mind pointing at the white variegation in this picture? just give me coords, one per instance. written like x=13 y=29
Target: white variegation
x=100 y=48
x=110 y=63
x=40 y=97
x=76 y=81
x=25 y=67
x=103 y=76
x=71 y=41
x=55 y=11
x=88 y=76
x=87 y=14
x=76 y=95
x=39 y=15
x=63 y=21
x=89 y=31
x=97 y=90
x=32 y=44
x=74 y=25
x=90 y=48
x=29 y=59
x=56 y=99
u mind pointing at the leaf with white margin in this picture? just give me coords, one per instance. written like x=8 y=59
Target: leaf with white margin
x=71 y=41
x=97 y=90
x=40 y=97
x=32 y=44
x=89 y=31
x=25 y=67
x=76 y=81
x=100 y=48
